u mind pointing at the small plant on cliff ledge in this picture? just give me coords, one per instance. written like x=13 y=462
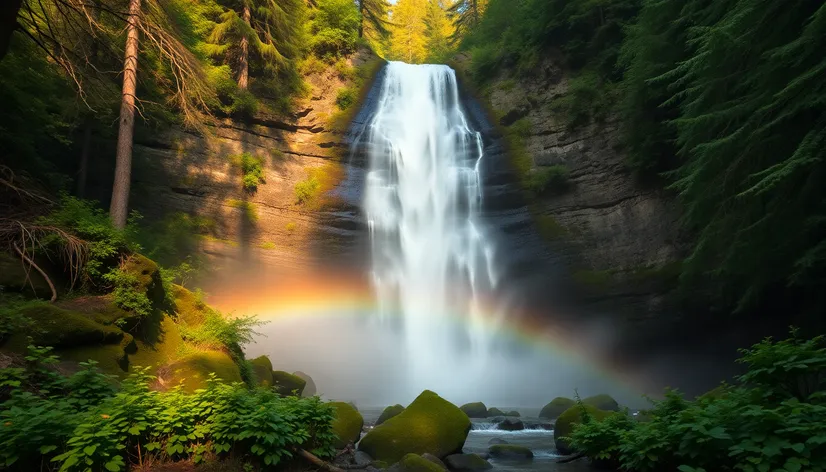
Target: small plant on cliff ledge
x=306 y=189
x=345 y=98
x=252 y=170
x=551 y=179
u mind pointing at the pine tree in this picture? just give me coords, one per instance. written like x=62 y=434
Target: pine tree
x=438 y=30
x=267 y=29
x=466 y=15
x=408 y=31
x=374 y=19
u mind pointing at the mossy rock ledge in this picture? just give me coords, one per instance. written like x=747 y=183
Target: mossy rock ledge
x=475 y=410
x=430 y=424
x=556 y=407
x=192 y=371
x=388 y=413
x=262 y=367
x=564 y=425
x=287 y=384
x=415 y=463
x=603 y=402
x=62 y=329
x=347 y=425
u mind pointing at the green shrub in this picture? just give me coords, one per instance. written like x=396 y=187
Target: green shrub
x=551 y=179
x=128 y=294
x=334 y=28
x=345 y=98
x=252 y=170
x=218 y=331
x=306 y=189
x=248 y=209
x=244 y=105
x=589 y=97
x=775 y=419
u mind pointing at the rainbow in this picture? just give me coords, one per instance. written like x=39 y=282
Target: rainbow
x=346 y=296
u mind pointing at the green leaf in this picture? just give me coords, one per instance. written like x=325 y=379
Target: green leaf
x=113 y=466
x=89 y=450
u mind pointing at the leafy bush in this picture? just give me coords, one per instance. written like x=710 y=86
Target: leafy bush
x=221 y=332
x=115 y=427
x=774 y=420
x=128 y=293
x=334 y=28
x=244 y=104
x=547 y=179
x=306 y=189
x=345 y=98
x=252 y=170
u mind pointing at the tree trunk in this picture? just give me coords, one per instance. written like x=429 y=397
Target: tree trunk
x=8 y=23
x=119 y=208
x=361 y=18
x=83 y=168
x=244 y=73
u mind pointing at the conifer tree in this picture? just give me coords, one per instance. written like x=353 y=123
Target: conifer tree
x=466 y=15
x=374 y=19
x=439 y=29
x=409 y=43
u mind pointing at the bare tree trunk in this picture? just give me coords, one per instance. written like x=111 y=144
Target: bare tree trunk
x=244 y=73
x=8 y=23
x=83 y=168
x=361 y=16
x=119 y=208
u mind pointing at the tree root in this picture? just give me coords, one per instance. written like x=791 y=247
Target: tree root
x=318 y=462
x=38 y=269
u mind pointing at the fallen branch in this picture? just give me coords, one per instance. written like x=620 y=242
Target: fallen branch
x=37 y=268
x=318 y=462
x=570 y=458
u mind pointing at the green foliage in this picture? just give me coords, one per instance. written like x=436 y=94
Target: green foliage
x=84 y=423
x=221 y=332
x=252 y=170
x=244 y=105
x=334 y=27
x=551 y=179
x=128 y=293
x=11 y=318
x=345 y=98
x=248 y=209
x=307 y=189
x=774 y=420
x=589 y=97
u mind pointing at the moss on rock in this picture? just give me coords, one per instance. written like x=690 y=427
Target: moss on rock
x=416 y=463
x=310 y=388
x=556 y=407
x=347 y=425
x=192 y=371
x=430 y=424
x=467 y=463
x=510 y=451
x=564 y=425
x=388 y=413
x=602 y=402
x=286 y=383
x=262 y=367
x=494 y=412
x=148 y=277
x=475 y=410
x=54 y=326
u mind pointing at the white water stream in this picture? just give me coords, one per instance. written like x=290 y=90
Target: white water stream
x=431 y=259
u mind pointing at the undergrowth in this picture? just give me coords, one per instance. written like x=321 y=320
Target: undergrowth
x=252 y=170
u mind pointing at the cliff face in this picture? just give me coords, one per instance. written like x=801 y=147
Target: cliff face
x=614 y=242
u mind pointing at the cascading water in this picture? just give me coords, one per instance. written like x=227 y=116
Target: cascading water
x=431 y=259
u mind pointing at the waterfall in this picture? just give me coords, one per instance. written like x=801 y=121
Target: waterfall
x=432 y=262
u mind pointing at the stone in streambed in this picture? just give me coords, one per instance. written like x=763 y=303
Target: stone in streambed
x=497 y=441
x=510 y=452
x=309 y=387
x=467 y=463
x=287 y=384
x=513 y=413
x=388 y=413
x=511 y=425
x=475 y=410
x=556 y=407
x=415 y=463
x=347 y=425
x=435 y=460
x=496 y=412
x=262 y=368
x=603 y=402
x=564 y=425
x=430 y=424
x=362 y=459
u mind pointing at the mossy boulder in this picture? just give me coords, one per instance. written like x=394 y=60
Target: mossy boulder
x=111 y=358
x=467 y=463
x=475 y=410
x=388 y=413
x=262 y=368
x=564 y=425
x=557 y=406
x=287 y=384
x=102 y=309
x=513 y=413
x=602 y=402
x=148 y=278
x=495 y=412
x=15 y=276
x=430 y=424
x=510 y=424
x=54 y=326
x=435 y=460
x=192 y=371
x=347 y=425
x=415 y=463
x=510 y=451
x=309 y=388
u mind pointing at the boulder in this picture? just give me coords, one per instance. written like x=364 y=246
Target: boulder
x=347 y=425
x=475 y=410
x=557 y=406
x=510 y=452
x=435 y=460
x=262 y=368
x=513 y=413
x=415 y=463
x=61 y=328
x=602 y=402
x=148 y=279
x=564 y=425
x=192 y=371
x=388 y=413
x=287 y=384
x=362 y=459
x=430 y=424
x=511 y=425
x=309 y=388
x=467 y=463
x=497 y=441
x=496 y=412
